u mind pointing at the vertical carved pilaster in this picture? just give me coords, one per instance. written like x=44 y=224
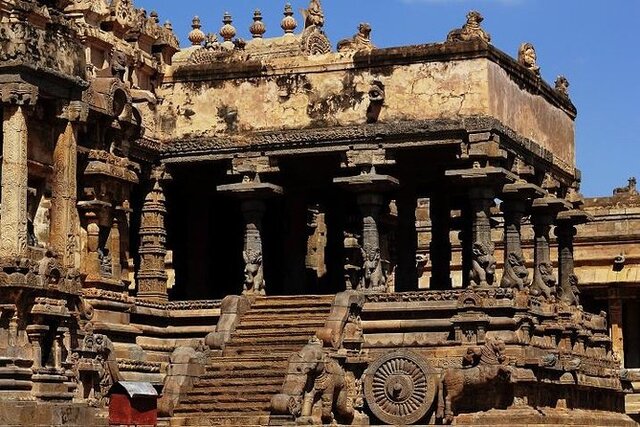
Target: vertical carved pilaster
x=13 y=211
x=152 y=276
x=65 y=220
x=92 y=264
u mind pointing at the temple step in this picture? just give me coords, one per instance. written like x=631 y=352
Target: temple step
x=237 y=387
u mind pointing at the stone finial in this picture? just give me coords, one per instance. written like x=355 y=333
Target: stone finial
x=196 y=36
x=528 y=58
x=562 y=86
x=471 y=30
x=228 y=31
x=168 y=25
x=258 y=28
x=154 y=16
x=288 y=23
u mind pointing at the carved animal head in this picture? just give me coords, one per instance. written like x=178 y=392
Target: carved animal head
x=546 y=273
x=364 y=30
x=474 y=18
x=517 y=263
x=252 y=268
x=527 y=55
x=483 y=254
x=310 y=359
x=493 y=352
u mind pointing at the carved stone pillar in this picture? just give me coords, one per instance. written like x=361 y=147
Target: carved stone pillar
x=616 y=321
x=440 y=246
x=252 y=195
x=544 y=211
x=152 y=277
x=369 y=189
x=480 y=183
x=515 y=203
x=565 y=232
x=65 y=222
x=407 y=247
x=13 y=210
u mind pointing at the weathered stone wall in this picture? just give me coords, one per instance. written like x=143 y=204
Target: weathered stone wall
x=333 y=90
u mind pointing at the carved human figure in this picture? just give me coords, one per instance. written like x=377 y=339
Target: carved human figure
x=544 y=284
x=527 y=56
x=373 y=274
x=482 y=366
x=483 y=267
x=314 y=379
x=360 y=41
x=253 y=274
x=516 y=274
x=470 y=30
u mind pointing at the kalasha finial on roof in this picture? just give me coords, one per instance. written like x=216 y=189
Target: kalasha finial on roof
x=471 y=30
x=196 y=36
x=288 y=23
x=228 y=31
x=258 y=28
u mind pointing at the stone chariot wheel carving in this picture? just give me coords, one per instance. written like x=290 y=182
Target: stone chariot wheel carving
x=400 y=387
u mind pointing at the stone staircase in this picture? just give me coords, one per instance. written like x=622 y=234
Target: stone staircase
x=237 y=386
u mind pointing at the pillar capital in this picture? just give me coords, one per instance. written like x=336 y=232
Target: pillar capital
x=251 y=189
x=19 y=94
x=73 y=111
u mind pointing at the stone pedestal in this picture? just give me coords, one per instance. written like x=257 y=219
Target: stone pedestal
x=252 y=195
x=370 y=189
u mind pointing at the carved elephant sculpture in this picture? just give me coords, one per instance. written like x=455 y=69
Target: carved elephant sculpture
x=314 y=390
x=487 y=367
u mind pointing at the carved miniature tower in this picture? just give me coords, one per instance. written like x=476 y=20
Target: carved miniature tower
x=152 y=277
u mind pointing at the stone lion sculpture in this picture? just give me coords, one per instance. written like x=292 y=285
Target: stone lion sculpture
x=315 y=383
x=484 y=366
x=253 y=274
x=483 y=267
x=516 y=274
x=544 y=283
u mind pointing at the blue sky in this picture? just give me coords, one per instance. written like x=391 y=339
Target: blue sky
x=593 y=42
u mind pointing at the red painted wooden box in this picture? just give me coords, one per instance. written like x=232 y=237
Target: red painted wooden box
x=133 y=404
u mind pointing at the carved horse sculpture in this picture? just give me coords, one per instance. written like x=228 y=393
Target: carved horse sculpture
x=486 y=367
x=315 y=383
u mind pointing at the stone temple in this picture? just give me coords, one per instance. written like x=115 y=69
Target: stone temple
x=290 y=231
